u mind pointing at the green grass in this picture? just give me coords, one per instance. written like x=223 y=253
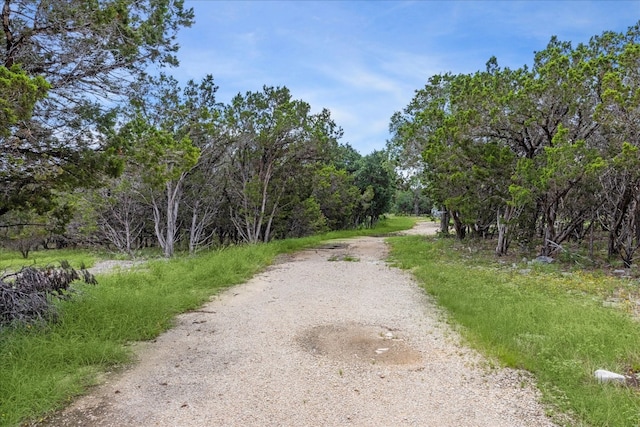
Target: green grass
x=42 y=369
x=549 y=322
x=13 y=261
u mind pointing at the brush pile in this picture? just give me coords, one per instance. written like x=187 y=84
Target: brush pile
x=27 y=296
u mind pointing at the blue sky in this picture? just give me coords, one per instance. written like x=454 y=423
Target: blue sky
x=363 y=60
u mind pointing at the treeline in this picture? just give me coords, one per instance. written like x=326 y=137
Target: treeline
x=194 y=173
x=97 y=151
x=537 y=156
x=263 y=167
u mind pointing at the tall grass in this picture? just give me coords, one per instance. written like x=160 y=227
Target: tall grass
x=41 y=369
x=549 y=323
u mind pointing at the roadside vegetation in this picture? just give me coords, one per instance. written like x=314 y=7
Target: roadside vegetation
x=549 y=320
x=43 y=368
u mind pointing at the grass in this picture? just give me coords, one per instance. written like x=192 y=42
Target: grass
x=542 y=319
x=42 y=369
x=12 y=260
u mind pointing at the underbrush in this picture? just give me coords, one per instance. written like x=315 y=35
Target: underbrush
x=537 y=317
x=43 y=368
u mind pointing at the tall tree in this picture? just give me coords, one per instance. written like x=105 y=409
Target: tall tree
x=89 y=52
x=619 y=116
x=273 y=137
x=18 y=96
x=376 y=178
x=164 y=160
x=169 y=131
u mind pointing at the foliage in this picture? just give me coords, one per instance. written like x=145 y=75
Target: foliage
x=87 y=52
x=169 y=130
x=411 y=202
x=533 y=154
x=337 y=196
x=18 y=96
x=376 y=181
x=275 y=139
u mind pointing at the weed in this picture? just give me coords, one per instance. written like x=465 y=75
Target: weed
x=346 y=258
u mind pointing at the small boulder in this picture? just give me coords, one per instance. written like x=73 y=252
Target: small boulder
x=604 y=376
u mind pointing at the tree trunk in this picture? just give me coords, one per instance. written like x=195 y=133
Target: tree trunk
x=166 y=235
x=503 y=230
x=444 y=222
x=461 y=229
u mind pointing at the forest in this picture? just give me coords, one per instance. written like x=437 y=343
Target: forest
x=538 y=157
x=102 y=147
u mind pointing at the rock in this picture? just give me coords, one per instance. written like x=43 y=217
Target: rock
x=543 y=259
x=623 y=274
x=611 y=304
x=604 y=376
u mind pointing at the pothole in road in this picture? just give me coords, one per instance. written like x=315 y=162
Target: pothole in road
x=337 y=245
x=359 y=344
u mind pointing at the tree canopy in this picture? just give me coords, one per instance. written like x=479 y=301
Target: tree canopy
x=534 y=154
x=88 y=53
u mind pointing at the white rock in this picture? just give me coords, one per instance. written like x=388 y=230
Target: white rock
x=607 y=377
x=381 y=350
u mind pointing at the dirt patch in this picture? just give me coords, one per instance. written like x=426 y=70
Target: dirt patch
x=356 y=343
x=111 y=266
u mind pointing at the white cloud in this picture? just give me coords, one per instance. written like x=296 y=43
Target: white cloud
x=364 y=60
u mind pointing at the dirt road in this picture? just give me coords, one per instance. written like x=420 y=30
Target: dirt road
x=332 y=337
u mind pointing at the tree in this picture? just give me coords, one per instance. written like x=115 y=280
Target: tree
x=88 y=52
x=18 y=96
x=120 y=213
x=165 y=160
x=273 y=139
x=337 y=196
x=562 y=183
x=376 y=179
x=173 y=148
x=618 y=114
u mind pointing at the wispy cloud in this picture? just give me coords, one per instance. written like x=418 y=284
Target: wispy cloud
x=364 y=60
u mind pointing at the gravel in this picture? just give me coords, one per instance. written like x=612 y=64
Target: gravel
x=331 y=337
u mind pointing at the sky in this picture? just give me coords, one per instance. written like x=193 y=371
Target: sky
x=364 y=60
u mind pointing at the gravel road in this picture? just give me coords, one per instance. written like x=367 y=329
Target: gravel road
x=330 y=337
